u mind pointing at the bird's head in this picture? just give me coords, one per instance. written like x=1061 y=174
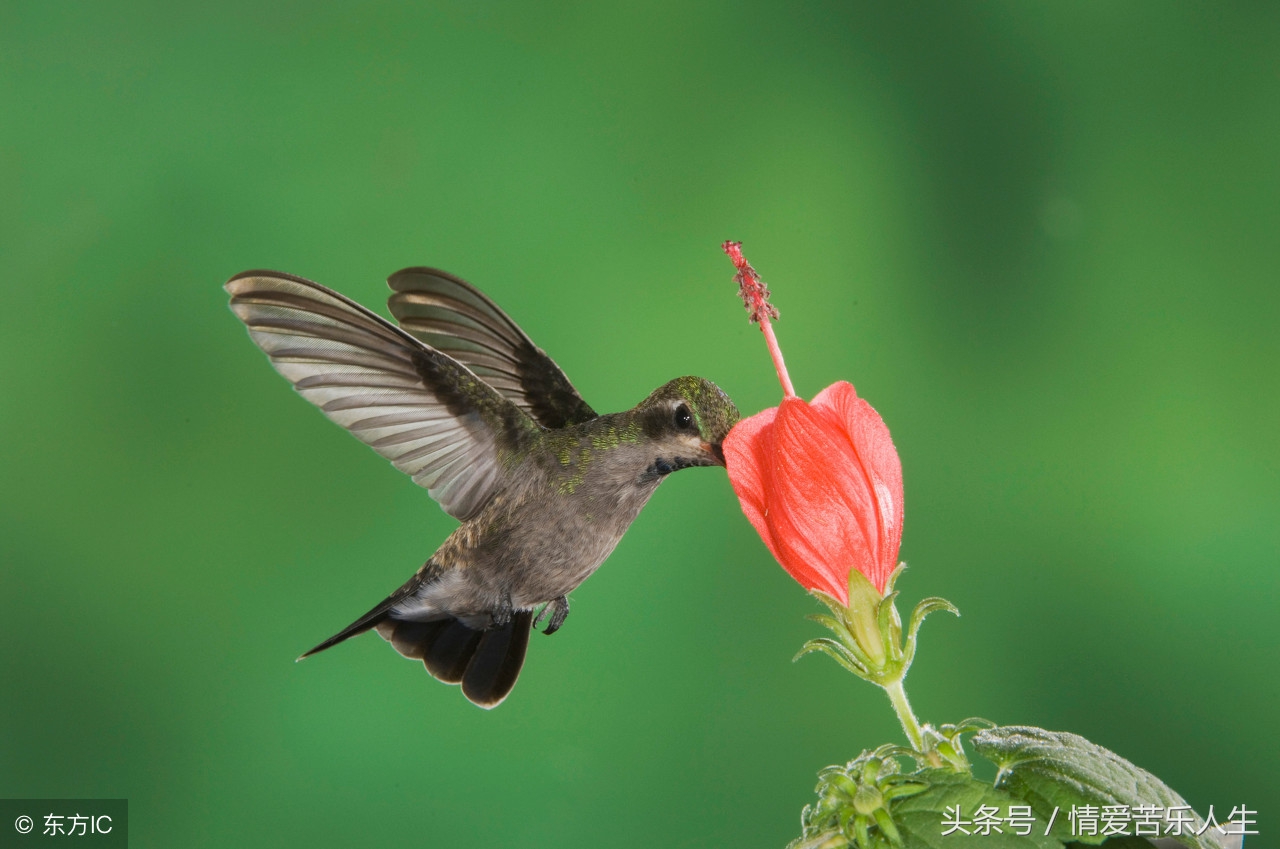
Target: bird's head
x=685 y=423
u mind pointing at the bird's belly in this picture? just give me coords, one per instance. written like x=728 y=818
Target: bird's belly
x=552 y=565
x=530 y=568
x=524 y=555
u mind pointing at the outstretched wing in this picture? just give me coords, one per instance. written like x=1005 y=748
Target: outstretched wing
x=430 y=416
x=453 y=316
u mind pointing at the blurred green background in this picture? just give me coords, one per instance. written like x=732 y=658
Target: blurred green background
x=1040 y=238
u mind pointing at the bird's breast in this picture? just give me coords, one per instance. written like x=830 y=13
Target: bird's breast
x=564 y=531
x=538 y=539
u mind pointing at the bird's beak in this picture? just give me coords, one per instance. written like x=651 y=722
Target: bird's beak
x=715 y=449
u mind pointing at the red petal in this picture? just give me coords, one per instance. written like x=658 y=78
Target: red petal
x=821 y=509
x=822 y=485
x=877 y=456
x=755 y=467
x=746 y=451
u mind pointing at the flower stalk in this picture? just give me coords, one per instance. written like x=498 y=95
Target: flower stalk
x=910 y=725
x=870 y=643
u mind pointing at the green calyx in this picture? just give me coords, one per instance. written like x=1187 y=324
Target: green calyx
x=869 y=642
x=869 y=630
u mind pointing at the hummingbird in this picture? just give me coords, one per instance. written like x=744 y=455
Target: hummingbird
x=459 y=398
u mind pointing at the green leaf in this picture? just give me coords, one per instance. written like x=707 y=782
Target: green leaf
x=1055 y=769
x=920 y=818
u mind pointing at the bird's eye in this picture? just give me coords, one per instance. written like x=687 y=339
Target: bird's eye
x=684 y=418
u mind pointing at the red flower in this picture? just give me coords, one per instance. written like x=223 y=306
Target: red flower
x=822 y=485
x=821 y=482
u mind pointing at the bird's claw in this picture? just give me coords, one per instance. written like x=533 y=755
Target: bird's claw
x=501 y=616
x=559 y=610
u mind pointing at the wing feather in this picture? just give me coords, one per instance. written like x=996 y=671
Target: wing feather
x=455 y=318
x=429 y=414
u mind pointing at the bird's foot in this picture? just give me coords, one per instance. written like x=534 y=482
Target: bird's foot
x=559 y=610
x=500 y=617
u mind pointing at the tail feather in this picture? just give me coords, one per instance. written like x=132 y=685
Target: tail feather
x=496 y=663
x=364 y=623
x=411 y=639
x=450 y=651
x=485 y=662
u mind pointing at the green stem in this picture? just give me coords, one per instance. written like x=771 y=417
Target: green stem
x=910 y=726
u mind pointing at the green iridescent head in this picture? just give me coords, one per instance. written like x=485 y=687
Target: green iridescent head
x=687 y=420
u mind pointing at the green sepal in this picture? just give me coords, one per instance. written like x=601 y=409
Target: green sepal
x=923 y=609
x=863 y=833
x=863 y=619
x=886 y=825
x=829 y=622
x=966 y=726
x=840 y=628
x=1057 y=769
x=905 y=788
x=825 y=840
x=946 y=743
x=894 y=575
x=840 y=781
x=890 y=751
x=890 y=628
x=833 y=604
x=869 y=627
x=836 y=651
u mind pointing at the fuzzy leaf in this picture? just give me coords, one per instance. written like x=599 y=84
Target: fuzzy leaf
x=1054 y=769
x=920 y=817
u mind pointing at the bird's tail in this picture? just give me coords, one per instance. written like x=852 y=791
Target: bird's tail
x=486 y=662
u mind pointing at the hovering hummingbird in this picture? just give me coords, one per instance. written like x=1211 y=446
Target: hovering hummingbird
x=459 y=398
